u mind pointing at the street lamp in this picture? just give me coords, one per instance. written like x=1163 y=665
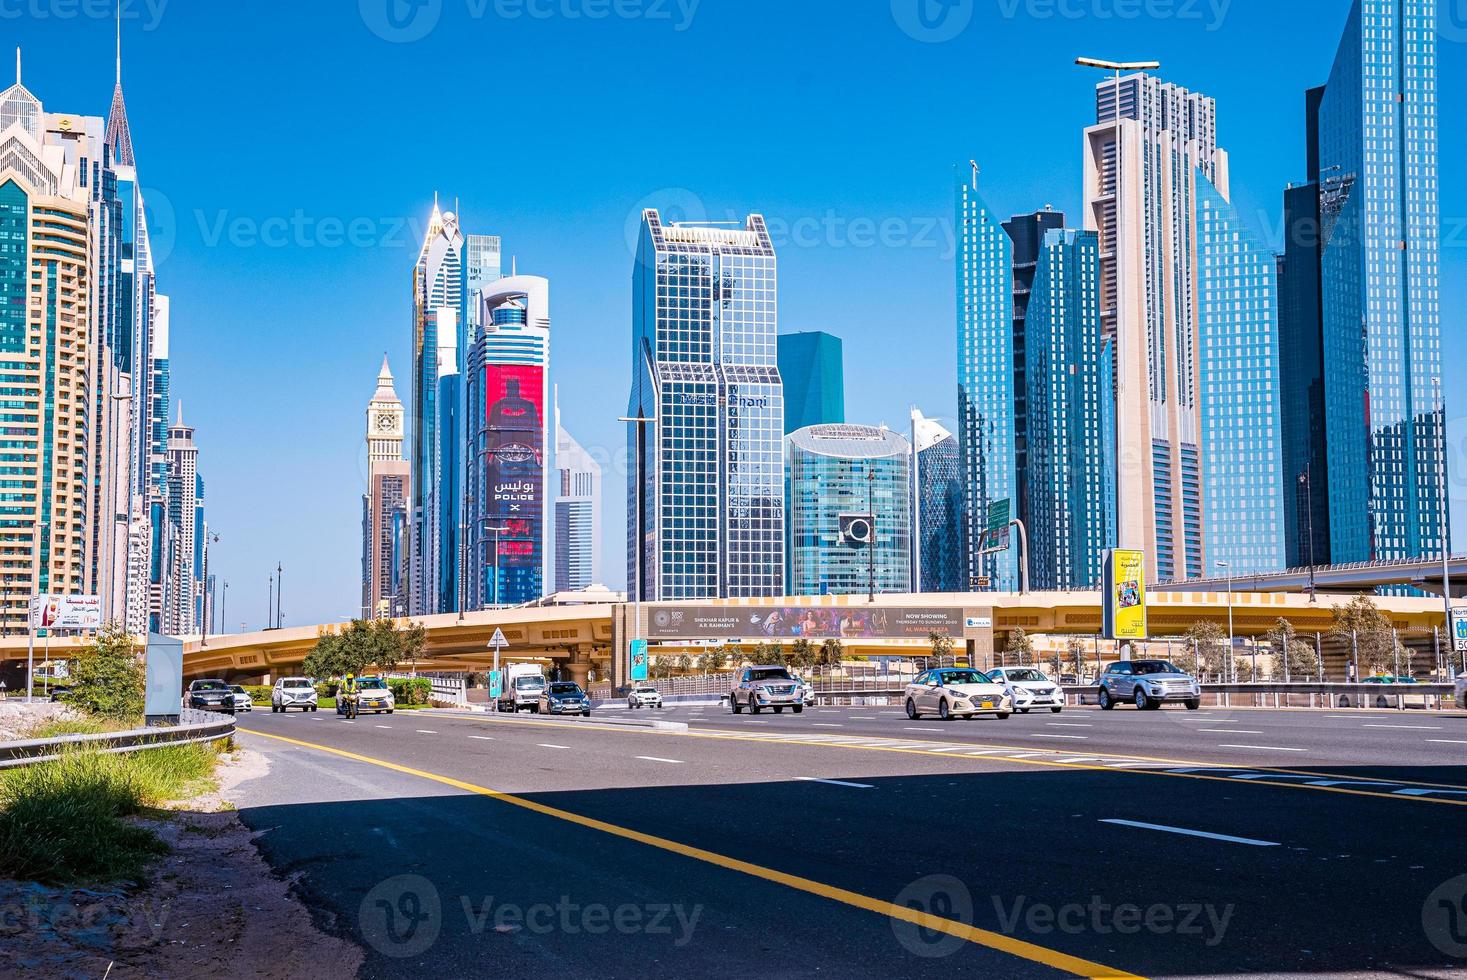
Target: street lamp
x=641 y=421
x=209 y=538
x=30 y=622
x=1232 y=674
x=1441 y=471
x=1309 y=528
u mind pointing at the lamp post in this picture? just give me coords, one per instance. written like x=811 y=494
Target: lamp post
x=30 y=620
x=641 y=421
x=1232 y=674
x=131 y=479
x=279 y=591
x=1441 y=470
x=1308 y=486
x=224 y=607
x=209 y=538
x=871 y=546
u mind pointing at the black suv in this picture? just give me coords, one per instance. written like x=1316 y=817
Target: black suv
x=211 y=695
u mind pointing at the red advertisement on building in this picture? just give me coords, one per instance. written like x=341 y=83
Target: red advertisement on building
x=515 y=403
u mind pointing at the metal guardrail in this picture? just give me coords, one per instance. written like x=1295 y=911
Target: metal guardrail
x=194 y=727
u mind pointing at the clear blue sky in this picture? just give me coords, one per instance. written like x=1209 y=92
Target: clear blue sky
x=293 y=149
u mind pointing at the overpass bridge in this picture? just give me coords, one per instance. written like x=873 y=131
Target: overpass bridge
x=1360 y=578
x=595 y=636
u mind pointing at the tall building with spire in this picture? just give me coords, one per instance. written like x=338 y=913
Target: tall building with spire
x=385 y=505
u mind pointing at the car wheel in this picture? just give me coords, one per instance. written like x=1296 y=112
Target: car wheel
x=1193 y=704
x=1344 y=701
x=967 y=717
x=1143 y=703
x=912 y=710
x=942 y=710
x=734 y=706
x=311 y=708
x=1003 y=716
x=799 y=709
x=391 y=710
x=585 y=714
x=754 y=708
x=1106 y=703
x=778 y=711
x=1055 y=711
x=1381 y=702
x=1023 y=711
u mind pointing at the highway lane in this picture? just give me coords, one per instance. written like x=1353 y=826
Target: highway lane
x=1012 y=845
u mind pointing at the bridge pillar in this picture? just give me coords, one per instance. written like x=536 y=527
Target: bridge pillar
x=579 y=665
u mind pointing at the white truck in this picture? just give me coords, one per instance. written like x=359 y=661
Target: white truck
x=523 y=684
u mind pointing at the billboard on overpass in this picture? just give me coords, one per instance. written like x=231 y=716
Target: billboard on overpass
x=66 y=612
x=795 y=622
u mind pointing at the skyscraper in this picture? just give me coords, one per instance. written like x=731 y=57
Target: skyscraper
x=46 y=321
x=1071 y=500
x=385 y=505
x=1301 y=348
x=939 y=541
x=183 y=514
x=985 y=377
x=1380 y=296
x=1152 y=144
x=850 y=510
x=508 y=489
x=1237 y=333
x=812 y=369
x=1027 y=232
x=577 y=513
x=705 y=511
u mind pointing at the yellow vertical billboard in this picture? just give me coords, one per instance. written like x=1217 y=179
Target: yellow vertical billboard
x=1125 y=595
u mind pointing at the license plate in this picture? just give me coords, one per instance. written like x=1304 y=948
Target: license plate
x=987 y=704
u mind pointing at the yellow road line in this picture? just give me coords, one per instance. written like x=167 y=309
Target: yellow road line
x=980 y=937
x=1054 y=764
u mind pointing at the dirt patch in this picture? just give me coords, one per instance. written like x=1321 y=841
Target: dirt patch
x=211 y=908
x=18 y=718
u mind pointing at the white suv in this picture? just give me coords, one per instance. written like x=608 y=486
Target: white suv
x=644 y=696
x=1462 y=690
x=293 y=692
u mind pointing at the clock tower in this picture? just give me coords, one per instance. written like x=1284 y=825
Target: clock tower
x=384 y=505
x=384 y=421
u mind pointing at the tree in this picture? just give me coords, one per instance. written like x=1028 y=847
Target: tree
x=1020 y=647
x=1206 y=650
x=1301 y=659
x=942 y=644
x=684 y=663
x=802 y=654
x=1360 y=624
x=364 y=645
x=832 y=653
x=770 y=654
x=108 y=678
x=714 y=659
x=1076 y=650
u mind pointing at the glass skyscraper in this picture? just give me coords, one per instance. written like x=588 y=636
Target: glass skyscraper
x=1237 y=332
x=705 y=501
x=1071 y=504
x=1380 y=295
x=939 y=541
x=811 y=366
x=841 y=473
x=985 y=375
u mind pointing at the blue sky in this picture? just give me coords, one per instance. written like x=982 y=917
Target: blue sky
x=292 y=150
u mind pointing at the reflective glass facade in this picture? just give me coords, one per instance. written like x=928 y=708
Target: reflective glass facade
x=1241 y=416
x=706 y=496
x=985 y=304
x=1071 y=506
x=812 y=369
x=849 y=470
x=1380 y=283
x=939 y=556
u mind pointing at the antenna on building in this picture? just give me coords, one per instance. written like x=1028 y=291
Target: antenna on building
x=17 y=64
x=119 y=41
x=974 y=165
x=514 y=265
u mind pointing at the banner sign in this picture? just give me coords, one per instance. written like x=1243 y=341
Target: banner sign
x=793 y=622
x=639 y=660
x=516 y=452
x=66 y=612
x=496 y=684
x=1125 y=595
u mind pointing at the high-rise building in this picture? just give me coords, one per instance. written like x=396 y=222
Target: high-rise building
x=1027 y=232
x=985 y=379
x=183 y=515
x=705 y=501
x=385 y=505
x=577 y=513
x=850 y=510
x=1238 y=363
x=939 y=540
x=1071 y=500
x=46 y=336
x=1301 y=348
x=1380 y=295
x=1152 y=144
x=811 y=365
x=508 y=490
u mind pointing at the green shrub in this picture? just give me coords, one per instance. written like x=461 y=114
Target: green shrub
x=408 y=692
x=107 y=677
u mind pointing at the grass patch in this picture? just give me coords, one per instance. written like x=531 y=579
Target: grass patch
x=58 y=727
x=63 y=821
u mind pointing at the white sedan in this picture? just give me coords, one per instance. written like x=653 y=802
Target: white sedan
x=956 y=691
x=1030 y=688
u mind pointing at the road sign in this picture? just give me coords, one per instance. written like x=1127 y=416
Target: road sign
x=1459 y=629
x=497 y=641
x=1000 y=515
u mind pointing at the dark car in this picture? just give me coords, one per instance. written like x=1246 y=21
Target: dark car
x=211 y=695
x=564 y=698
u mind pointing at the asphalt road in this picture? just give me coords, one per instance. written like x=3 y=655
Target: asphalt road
x=812 y=845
